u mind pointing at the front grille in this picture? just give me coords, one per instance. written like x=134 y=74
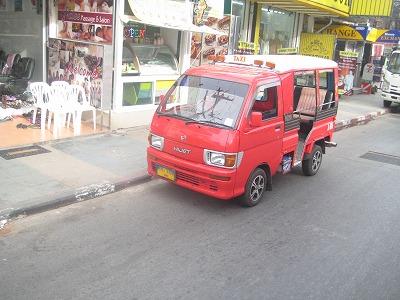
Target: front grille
x=213 y=187
x=395 y=92
x=188 y=178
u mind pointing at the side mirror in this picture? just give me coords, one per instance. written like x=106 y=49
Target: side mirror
x=256 y=119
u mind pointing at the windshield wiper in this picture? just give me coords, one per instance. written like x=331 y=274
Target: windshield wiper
x=208 y=123
x=172 y=115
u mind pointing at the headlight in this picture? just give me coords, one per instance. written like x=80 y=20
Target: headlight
x=156 y=141
x=224 y=160
x=385 y=85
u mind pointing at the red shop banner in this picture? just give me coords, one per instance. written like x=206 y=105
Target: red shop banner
x=86 y=20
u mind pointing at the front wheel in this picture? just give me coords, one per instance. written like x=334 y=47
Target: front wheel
x=311 y=166
x=255 y=188
x=386 y=103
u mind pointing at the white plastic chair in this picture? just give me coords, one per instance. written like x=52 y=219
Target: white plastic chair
x=39 y=91
x=80 y=103
x=59 y=105
x=60 y=83
x=63 y=85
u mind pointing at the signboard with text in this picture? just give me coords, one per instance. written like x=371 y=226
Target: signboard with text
x=85 y=20
x=319 y=45
x=347 y=67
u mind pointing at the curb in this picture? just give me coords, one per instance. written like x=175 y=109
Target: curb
x=342 y=124
x=78 y=195
x=97 y=190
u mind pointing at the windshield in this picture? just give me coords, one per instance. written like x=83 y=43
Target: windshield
x=205 y=100
x=394 y=63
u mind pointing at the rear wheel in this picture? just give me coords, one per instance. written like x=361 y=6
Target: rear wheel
x=386 y=103
x=255 y=188
x=311 y=166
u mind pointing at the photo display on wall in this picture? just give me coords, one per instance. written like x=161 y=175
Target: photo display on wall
x=86 y=20
x=77 y=63
x=203 y=45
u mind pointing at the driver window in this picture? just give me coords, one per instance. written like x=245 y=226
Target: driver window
x=266 y=101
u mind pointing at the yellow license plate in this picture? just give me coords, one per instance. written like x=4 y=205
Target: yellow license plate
x=166 y=173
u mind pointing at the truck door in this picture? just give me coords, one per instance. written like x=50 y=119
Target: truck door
x=263 y=144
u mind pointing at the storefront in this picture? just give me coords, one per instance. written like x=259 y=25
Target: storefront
x=278 y=24
x=152 y=48
x=22 y=56
x=350 y=39
x=383 y=41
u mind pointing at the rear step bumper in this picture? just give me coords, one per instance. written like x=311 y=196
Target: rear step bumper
x=330 y=144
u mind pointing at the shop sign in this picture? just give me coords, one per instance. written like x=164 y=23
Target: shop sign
x=346 y=32
x=204 y=45
x=77 y=63
x=205 y=9
x=85 y=21
x=340 y=7
x=380 y=8
x=85 y=17
x=319 y=45
x=347 y=67
x=287 y=51
x=385 y=36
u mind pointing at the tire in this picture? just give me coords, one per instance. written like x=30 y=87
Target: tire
x=255 y=188
x=386 y=103
x=311 y=166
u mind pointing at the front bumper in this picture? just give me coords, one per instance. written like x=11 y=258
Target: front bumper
x=208 y=180
x=390 y=97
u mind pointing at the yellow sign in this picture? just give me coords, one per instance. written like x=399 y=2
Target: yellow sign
x=381 y=8
x=320 y=45
x=287 y=51
x=341 y=7
x=348 y=54
x=344 y=32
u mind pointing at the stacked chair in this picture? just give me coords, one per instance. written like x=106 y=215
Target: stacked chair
x=62 y=102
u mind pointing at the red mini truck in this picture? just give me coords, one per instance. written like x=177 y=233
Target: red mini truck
x=226 y=128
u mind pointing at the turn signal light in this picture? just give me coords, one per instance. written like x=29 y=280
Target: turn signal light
x=258 y=62
x=270 y=65
x=211 y=57
x=230 y=160
x=220 y=58
x=216 y=58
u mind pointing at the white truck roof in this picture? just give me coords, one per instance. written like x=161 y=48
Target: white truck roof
x=285 y=63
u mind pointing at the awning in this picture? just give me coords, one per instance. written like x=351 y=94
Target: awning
x=167 y=14
x=318 y=8
x=384 y=36
x=346 y=32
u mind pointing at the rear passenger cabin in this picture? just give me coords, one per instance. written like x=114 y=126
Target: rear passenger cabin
x=313 y=98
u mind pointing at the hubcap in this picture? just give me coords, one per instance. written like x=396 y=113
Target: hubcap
x=257 y=188
x=316 y=161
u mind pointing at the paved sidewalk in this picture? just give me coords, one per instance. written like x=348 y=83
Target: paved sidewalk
x=86 y=167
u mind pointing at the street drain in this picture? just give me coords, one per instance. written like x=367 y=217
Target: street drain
x=382 y=157
x=22 y=152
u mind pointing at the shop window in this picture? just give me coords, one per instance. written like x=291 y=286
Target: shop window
x=326 y=89
x=276 y=29
x=162 y=87
x=137 y=93
x=266 y=101
x=146 y=51
x=304 y=98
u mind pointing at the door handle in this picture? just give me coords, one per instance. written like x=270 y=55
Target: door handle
x=277 y=127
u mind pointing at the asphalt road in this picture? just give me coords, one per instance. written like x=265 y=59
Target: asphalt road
x=332 y=236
